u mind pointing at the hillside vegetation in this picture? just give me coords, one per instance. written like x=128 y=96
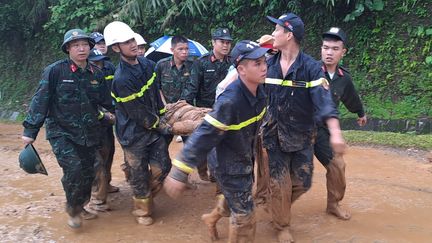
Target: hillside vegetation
x=390 y=42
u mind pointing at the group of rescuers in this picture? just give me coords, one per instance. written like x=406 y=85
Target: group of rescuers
x=274 y=94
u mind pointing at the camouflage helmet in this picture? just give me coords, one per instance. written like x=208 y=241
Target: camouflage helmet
x=30 y=161
x=76 y=34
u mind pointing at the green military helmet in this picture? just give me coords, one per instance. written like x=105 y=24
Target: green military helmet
x=30 y=161
x=76 y=34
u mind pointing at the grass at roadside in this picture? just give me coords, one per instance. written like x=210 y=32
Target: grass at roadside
x=391 y=139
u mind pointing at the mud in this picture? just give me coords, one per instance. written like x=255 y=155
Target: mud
x=389 y=194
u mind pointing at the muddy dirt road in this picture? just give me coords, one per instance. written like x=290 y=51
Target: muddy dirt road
x=389 y=194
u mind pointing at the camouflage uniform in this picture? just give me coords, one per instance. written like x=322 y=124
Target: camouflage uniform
x=171 y=80
x=67 y=100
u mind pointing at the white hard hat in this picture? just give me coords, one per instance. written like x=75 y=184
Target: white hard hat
x=117 y=32
x=139 y=39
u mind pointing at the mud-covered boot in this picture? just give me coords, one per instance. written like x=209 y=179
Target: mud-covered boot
x=210 y=219
x=242 y=228
x=142 y=210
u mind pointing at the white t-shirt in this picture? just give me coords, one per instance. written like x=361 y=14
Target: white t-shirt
x=229 y=78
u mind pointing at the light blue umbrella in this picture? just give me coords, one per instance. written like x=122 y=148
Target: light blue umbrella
x=163 y=45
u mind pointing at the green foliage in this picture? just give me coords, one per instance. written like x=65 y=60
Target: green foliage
x=396 y=140
x=389 y=56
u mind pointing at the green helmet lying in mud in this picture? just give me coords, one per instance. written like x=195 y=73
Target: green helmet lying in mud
x=30 y=161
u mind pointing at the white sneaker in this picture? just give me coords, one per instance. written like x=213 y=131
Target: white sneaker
x=179 y=139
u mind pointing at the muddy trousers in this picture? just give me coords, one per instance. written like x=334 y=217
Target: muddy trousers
x=236 y=188
x=290 y=177
x=149 y=164
x=104 y=160
x=334 y=164
x=77 y=162
x=262 y=175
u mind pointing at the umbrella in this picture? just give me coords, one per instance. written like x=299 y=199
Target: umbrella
x=161 y=48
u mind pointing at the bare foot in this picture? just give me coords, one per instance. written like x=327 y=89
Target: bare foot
x=284 y=236
x=339 y=212
x=209 y=220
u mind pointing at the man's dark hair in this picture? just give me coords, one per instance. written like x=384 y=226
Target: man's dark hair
x=178 y=39
x=296 y=40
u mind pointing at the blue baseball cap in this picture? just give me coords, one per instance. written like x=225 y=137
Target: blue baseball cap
x=247 y=49
x=290 y=22
x=97 y=36
x=96 y=55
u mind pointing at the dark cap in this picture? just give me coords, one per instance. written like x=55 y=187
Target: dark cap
x=337 y=33
x=221 y=34
x=97 y=36
x=247 y=49
x=290 y=22
x=96 y=55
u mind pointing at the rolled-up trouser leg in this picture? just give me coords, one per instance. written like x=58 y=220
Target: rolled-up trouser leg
x=77 y=163
x=242 y=228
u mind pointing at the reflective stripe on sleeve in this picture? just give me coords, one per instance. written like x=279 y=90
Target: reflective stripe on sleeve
x=135 y=95
x=100 y=115
x=156 y=123
x=296 y=84
x=109 y=77
x=162 y=111
x=182 y=166
x=239 y=126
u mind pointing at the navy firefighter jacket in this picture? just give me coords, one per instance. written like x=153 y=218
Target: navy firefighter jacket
x=231 y=127
x=138 y=102
x=294 y=101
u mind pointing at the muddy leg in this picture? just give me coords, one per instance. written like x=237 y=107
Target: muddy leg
x=210 y=219
x=242 y=228
x=336 y=185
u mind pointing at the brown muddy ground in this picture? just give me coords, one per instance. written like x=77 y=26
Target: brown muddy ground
x=389 y=194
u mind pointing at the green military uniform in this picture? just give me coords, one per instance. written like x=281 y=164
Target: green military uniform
x=207 y=72
x=67 y=101
x=171 y=80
